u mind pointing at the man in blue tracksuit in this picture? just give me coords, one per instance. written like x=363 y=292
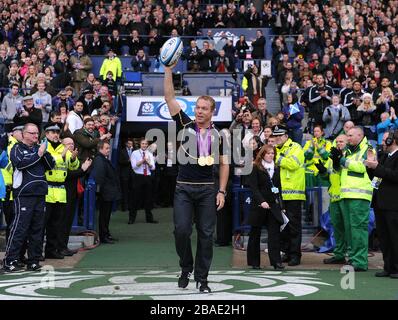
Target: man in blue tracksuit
x=30 y=161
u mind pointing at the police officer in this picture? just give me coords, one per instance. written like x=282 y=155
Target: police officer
x=56 y=197
x=290 y=160
x=30 y=161
x=356 y=194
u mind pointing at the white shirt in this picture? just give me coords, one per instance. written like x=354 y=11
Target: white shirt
x=392 y=153
x=137 y=156
x=74 y=121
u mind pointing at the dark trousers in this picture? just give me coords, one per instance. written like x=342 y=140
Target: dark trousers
x=168 y=184
x=105 y=210
x=8 y=213
x=274 y=247
x=54 y=226
x=142 y=191
x=291 y=235
x=70 y=210
x=224 y=223
x=28 y=224
x=195 y=204
x=387 y=232
x=126 y=185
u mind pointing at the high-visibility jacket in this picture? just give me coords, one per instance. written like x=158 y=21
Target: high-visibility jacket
x=290 y=159
x=316 y=150
x=56 y=177
x=355 y=182
x=114 y=65
x=8 y=170
x=333 y=178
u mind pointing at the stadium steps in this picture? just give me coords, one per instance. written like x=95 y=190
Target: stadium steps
x=273 y=102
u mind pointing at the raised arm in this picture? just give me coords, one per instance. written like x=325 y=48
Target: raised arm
x=169 y=95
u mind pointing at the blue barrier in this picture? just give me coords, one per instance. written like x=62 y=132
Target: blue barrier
x=241 y=203
x=88 y=208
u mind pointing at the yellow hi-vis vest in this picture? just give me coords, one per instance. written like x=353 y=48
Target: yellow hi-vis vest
x=355 y=182
x=314 y=154
x=56 y=177
x=8 y=170
x=334 y=180
x=290 y=159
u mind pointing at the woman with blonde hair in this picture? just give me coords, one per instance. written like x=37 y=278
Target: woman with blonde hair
x=30 y=79
x=385 y=102
x=367 y=117
x=356 y=59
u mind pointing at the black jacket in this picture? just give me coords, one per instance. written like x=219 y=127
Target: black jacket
x=385 y=198
x=124 y=162
x=106 y=178
x=260 y=184
x=258 y=48
x=35 y=116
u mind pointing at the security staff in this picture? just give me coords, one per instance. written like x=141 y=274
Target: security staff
x=30 y=161
x=315 y=150
x=385 y=202
x=356 y=194
x=56 y=197
x=290 y=160
x=332 y=172
x=15 y=137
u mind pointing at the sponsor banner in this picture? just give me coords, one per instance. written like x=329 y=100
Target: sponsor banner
x=154 y=109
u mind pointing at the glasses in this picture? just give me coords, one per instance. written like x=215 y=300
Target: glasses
x=32 y=133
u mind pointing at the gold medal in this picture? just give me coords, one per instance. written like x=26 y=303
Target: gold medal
x=209 y=160
x=202 y=161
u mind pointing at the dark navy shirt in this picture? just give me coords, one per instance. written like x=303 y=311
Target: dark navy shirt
x=191 y=172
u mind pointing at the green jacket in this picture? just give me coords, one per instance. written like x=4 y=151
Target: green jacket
x=114 y=65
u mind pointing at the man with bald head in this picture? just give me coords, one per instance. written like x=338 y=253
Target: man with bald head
x=356 y=194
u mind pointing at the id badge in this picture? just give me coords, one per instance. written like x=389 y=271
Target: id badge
x=275 y=190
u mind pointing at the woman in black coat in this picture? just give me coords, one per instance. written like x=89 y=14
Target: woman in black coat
x=264 y=182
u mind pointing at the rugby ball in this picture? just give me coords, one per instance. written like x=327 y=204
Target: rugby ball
x=171 y=51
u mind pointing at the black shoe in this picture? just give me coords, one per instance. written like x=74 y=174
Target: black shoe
x=256 y=267
x=203 y=288
x=106 y=241
x=334 y=260
x=293 y=262
x=382 y=274
x=54 y=255
x=183 y=280
x=33 y=267
x=279 y=266
x=109 y=237
x=152 y=221
x=66 y=253
x=358 y=269
x=285 y=258
x=12 y=266
x=394 y=275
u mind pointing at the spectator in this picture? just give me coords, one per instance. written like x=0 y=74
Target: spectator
x=110 y=83
x=206 y=58
x=28 y=114
x=258 y=45
x=241 y=47
x=81 y=66
x=320 y=97
x=367 y=118
x=96 y=45
x=86 y=140
x=135 y=43
x=388 y=122
x=293 y=114
x=222 y=63
x=11 y=105
x=334 y=117
x=140 y=62
x=42 y=101
x=74 y=120
x=115 y=42
x=262 y=112
x=192 y=55
x=253 y=84
x=113 y=64
x=62 y=97
x=386 y=101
